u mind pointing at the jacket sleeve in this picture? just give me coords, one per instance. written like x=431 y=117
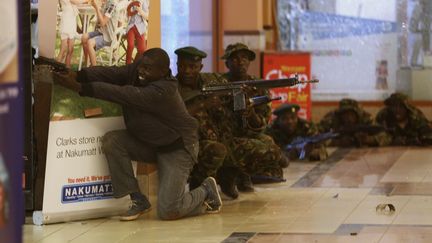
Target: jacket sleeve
x=127 y=95
x=111 y=75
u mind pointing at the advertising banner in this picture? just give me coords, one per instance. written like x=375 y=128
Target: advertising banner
x=77 y=180
x=288 y=64
x=11 y=125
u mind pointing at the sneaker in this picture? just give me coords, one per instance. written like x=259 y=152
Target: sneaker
x=213 y=200
x=137 y=208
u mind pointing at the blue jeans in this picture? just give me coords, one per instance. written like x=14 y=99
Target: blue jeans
x=174 y=167
x=99 y=40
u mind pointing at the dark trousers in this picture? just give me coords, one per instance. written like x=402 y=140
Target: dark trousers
x=174 y=167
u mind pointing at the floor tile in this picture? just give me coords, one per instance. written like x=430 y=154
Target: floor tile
x=407 y=234
x=265 y=238
x=366 y=212
x=332 y=201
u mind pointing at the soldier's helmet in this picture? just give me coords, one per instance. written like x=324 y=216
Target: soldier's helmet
x=348 y=105
x=231 y=48
x=396 y=99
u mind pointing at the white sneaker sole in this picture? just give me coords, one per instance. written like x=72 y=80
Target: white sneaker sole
x=218 y=195
x=134 y=217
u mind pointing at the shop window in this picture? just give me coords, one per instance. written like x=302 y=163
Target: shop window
x=358 y=46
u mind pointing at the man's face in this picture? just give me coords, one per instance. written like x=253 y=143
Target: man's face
x=399 y=111
x=288 y=122
x=188 y=71
x=238 y=63
x=148 y=71
x=349 y=117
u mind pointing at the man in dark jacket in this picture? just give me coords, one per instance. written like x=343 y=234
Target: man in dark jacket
x=158 y=128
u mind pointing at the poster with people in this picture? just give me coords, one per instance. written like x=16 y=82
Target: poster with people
x=101 y=32
x=89 y=33
x=11 y=125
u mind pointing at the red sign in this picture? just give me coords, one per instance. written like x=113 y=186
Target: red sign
x=288 y=64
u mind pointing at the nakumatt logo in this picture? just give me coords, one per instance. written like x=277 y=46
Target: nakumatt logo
x=87 y=192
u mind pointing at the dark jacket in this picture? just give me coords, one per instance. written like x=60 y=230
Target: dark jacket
x=153 y=113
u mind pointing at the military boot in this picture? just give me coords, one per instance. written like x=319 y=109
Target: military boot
x=244 y=182
x=226 y=177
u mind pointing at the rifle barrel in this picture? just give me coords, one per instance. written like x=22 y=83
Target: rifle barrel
x=261 y=83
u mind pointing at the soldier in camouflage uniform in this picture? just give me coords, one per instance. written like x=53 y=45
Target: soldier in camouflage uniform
x=348 y=115
x=212 y=153
x=287 y=126
x=406 y=124
x=251 y=152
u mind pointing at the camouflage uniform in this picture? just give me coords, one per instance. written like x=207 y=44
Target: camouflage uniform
x=418 y=130
x=212 y=152
x=250 y=151
x=248 y=148
x=303 y=129
x=332 y=121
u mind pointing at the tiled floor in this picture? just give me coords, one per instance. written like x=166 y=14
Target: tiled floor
x=333 y=201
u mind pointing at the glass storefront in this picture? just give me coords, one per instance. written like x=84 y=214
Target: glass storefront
x=358 y=46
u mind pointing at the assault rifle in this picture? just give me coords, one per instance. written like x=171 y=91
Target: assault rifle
x=236 y=89
x=254 y=101
x=55 y=66
x=300 y=143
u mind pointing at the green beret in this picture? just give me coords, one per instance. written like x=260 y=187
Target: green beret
x=396 y=98
x=190 y=52
x=238 y=47
x=286 y=108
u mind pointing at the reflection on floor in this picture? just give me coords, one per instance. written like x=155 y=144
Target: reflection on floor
x=334 y=201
